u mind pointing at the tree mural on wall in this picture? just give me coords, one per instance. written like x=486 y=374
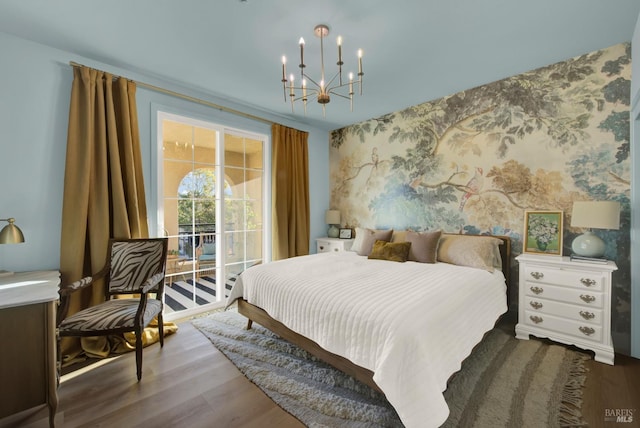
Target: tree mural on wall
x=557 y=101
x=474 y=161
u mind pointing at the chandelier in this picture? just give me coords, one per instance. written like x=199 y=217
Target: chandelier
x=320 y=91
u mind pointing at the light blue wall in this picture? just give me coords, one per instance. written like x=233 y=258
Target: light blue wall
x=635 y=192
x=34 y=105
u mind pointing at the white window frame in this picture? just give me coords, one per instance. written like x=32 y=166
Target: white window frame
x=220 y=180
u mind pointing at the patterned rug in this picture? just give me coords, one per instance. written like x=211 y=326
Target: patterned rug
x=505 y=382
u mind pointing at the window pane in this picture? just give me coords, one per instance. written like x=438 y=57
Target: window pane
x=233 y=150
x=177 y=141
x=253 y=154
x=254 y=215
x=254 y=245
x=235 y=178
x=205 y=141
x=234 y=215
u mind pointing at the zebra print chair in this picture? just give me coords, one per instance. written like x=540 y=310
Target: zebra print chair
x=133 y=266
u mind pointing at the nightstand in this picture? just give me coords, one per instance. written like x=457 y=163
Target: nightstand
x=325 y=245
x=566 y=301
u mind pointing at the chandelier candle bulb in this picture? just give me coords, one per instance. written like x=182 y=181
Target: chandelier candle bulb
x=301 y=55
x=360 y=73
x=284 y=68
x=284 y=78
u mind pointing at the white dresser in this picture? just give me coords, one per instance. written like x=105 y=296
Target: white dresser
x=28 y=343
x=566 y=301
x=325 y=245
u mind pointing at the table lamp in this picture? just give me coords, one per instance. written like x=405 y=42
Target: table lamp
x=332 y=218
x=593 y=215
x=10 y=234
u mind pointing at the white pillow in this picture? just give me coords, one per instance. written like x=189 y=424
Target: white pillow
x=357 y=243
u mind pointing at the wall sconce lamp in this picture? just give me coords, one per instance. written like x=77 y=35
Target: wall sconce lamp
x=332 y=218
x=593 y=215
x=10 y=234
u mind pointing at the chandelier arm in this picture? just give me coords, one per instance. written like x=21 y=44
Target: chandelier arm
x=328 y=84
x=312 y=96
x=344 y=85
x=311 y=80
x=340 y=95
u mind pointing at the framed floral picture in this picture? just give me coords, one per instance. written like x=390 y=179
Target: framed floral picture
x=543 y=232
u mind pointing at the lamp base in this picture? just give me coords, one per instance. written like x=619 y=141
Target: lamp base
x=333 y=231
x=588 y=245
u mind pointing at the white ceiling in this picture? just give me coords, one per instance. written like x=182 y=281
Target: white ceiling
x=414 y=50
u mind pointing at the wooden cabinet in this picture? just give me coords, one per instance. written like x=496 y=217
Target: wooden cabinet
x=326 y=245
x=566 y=301
x=28 y=346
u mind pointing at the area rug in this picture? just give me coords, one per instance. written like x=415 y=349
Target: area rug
x=505 y=382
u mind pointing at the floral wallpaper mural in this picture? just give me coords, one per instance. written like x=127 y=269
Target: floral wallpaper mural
x=476 y=161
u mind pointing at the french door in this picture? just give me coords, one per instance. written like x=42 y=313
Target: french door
x=211 y=207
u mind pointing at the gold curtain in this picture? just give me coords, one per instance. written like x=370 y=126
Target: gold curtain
x=289 y=192
x=103 y=189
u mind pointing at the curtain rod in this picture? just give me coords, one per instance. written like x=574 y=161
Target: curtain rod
x=183 y=96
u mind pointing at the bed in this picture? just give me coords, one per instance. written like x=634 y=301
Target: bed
x=402 y=328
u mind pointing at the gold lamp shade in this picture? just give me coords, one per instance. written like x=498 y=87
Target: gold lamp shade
x=10 y=234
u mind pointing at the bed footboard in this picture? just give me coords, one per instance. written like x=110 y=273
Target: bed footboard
x=254 y=313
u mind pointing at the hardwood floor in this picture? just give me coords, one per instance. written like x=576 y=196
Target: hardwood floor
x=189 y=383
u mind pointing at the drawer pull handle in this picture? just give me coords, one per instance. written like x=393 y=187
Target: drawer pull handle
x=588 y=331
x=587 y=315
x=336 y=249
x=535 y=319
x=588 y=282
x=536 y=305
x=536 y=290
x=587 y=298
x=321 y=248
x=537 y=275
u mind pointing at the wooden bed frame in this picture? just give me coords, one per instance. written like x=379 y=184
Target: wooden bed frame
x=254 y=313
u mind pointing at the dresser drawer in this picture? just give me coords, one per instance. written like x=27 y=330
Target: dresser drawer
x=579 y=313
x=570 y=278
x=574 y=328
x=586 y=298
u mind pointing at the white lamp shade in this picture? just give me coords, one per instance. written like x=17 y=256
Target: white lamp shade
x=596 y=214
x=332 y=217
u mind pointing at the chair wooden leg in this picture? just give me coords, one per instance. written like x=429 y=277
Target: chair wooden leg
x=161 y=329
x=139 y=353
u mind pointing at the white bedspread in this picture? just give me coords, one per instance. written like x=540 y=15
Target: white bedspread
x=412 y=324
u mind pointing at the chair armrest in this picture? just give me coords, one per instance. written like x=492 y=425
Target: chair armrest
x=74 y=286
x=82 y=283
x=152 y=282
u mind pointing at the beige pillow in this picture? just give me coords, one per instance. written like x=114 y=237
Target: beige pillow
x=392 y=251
x=399 y=236
x=424 y=246
x=370 y=237
x=480 y=252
